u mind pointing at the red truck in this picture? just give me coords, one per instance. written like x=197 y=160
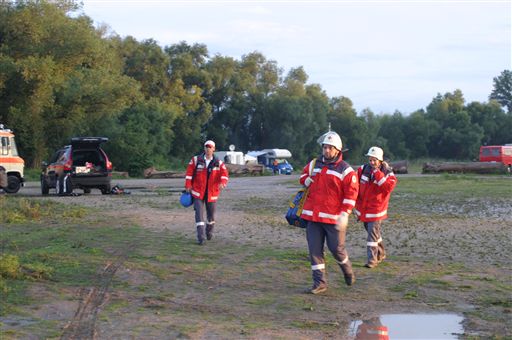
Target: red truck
x=497 y=153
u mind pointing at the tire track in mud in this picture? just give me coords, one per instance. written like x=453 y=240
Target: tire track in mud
x=83 y=324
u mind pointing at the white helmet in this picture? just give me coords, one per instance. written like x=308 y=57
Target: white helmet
x=376 y=152
x=331 y=138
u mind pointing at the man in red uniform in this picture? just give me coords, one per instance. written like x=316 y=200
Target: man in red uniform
x=206 y=176
x=331 y=197
x=376 y=182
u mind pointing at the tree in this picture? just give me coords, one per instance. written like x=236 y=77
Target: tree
x=59 y=78
x=502 y=91
x=352 y=129
x=392 y=129
x=455 y=135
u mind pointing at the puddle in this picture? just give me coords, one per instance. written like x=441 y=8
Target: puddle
x=408 y=326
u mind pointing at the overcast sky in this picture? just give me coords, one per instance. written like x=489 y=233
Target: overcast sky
x=383 y=55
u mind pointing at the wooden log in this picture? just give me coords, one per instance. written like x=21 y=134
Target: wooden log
x=399 y=167
x=247 y=169
x=153 y=173
x=465 y=167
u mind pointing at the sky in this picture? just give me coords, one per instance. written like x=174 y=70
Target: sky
x=385 y=55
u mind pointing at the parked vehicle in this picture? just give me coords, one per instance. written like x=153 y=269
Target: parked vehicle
x=11 y=163
x=497 y=153
x=268 y=156
x=83 y=164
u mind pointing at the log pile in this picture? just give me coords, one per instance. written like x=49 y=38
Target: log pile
x=247 y=169
x=154 y=173
x=465 y=167
x=399 y=167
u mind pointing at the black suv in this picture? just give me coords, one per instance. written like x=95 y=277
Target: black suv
x=83 y=165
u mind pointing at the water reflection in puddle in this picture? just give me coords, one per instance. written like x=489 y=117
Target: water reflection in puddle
x=408 y=326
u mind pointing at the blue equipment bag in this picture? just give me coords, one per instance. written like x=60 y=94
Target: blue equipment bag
x=297 y=203
x=186 y=199
x=295 y=209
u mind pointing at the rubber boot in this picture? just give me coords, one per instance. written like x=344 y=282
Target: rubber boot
x=200 y=234
x=209 y=231
x=348 y=273
x=381 y=255
x=319 y=282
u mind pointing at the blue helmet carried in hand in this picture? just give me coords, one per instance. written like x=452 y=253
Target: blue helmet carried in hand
x=186 y=199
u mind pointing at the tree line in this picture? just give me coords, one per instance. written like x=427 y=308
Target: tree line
x=60 y=76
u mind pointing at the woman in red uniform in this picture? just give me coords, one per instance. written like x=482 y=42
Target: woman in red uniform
x=376 y=182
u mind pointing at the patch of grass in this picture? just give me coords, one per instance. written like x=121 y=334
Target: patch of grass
x=488 y=301
x=454 y=186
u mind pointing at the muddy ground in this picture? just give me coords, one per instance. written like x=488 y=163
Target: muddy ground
x=443 y=257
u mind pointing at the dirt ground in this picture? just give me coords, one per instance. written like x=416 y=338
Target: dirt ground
x=434 y=266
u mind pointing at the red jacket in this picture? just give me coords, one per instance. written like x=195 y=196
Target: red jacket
x=372 y=332
x=198 y=177
x=375 y=187
x=333 y=191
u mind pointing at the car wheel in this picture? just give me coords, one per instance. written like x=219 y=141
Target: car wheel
x=45 y=189
x=105 y=190
x=13 y=185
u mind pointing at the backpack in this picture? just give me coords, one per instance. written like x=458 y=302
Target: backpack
x=297 y=204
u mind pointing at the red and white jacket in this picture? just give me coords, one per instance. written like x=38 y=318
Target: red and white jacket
x=199 y=177
x=333 y=191
x=375 y=187
x=372 y=332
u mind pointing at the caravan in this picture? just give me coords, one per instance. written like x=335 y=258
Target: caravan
x=274 y=160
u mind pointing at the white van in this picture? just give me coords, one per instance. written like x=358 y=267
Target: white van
x=10 y=162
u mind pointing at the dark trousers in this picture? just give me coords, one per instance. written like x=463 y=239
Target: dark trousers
x=374 y=245
x=199 y=207
x=317 y=234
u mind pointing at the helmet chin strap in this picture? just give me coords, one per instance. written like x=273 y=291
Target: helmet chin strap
x=332 y=159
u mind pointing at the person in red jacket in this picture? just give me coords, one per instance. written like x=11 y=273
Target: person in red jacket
x=332 y=191
x=376 y=182
x=206 y=176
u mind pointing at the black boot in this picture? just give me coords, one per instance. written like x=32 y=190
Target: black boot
x=348 y=273
x=209 y=231
x=200 y=234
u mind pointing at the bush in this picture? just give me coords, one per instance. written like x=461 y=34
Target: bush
x=9 y=266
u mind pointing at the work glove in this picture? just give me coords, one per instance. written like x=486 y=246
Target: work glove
x=308 y=181
x=343 y=220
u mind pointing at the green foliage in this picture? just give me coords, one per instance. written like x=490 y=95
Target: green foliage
x=502 y=91
x=38 y=271
x=9 y=266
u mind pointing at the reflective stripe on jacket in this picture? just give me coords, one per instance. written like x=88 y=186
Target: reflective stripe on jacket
x=375 y=187
x=197 y=175
x=333 y=191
